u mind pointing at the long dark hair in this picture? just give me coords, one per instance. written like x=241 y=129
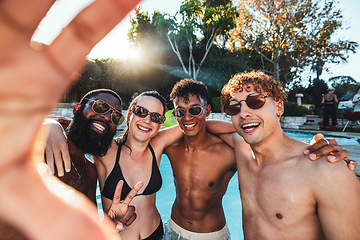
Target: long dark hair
x=153 y=94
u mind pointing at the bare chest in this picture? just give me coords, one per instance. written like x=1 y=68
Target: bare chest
x=278 y=199
x=208 y=169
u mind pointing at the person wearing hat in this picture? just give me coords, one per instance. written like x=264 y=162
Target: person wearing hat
x=329 y=102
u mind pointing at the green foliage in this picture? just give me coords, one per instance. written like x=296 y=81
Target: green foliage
x=292 y=109
x=221 y=65
x=316 y=89
x=295 y=30
x=192 y=31
x=216 y=104
x=345 y=86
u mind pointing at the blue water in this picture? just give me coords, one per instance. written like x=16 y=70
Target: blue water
x=231 y=200
x=306 y=137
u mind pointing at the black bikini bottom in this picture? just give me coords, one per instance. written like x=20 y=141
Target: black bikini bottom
x=157 y=234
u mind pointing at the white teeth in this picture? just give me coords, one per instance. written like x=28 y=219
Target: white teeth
x=189 y=125
x=99 y=126
x=249 y=125
x=143 y=129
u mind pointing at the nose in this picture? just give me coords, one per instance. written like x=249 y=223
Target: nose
x=106 y=116
x=245 y=111
x=147 y=118
x=187 y=115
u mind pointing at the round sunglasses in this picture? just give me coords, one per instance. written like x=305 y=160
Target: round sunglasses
x=253 y=101
x=102 y=107
x=143 y=113
x=194 y=111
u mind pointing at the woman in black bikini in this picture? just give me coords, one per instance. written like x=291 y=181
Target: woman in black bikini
x=137 y=158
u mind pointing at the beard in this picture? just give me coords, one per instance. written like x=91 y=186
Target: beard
x=88 y=140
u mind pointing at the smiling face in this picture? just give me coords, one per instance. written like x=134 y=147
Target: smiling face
x=255 y=125
x=92 y=132
x=143 y=129
x=101 y=123
x=192 y=125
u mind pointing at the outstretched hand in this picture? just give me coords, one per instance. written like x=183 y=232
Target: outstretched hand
x=32 y=81
x=121 y=212
x=328 y=147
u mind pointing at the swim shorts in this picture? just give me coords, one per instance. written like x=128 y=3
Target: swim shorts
x=175 y=232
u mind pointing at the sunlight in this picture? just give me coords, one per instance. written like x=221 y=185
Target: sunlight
x=134 y=54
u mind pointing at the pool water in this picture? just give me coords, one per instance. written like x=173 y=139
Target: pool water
x=231 y=200
x=306 y=137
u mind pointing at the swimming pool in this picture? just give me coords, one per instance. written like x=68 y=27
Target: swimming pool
x=306 y=137
x=231 y=200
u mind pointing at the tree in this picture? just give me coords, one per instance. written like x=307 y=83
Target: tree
x=290 y=29
x=316 y=89
x=195 y=28
x=345 y=86
x=316 y=50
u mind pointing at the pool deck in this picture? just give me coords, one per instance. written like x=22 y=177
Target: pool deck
x=354 y=150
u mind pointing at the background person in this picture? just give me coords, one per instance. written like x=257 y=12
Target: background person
x=330 y=103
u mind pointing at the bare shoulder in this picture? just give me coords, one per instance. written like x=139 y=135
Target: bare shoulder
x=327 y=170
x=111 y=153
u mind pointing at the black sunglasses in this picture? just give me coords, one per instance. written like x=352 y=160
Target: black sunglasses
x=102 y=107
x=253 y=101
x=194 y=111
x=143 y=113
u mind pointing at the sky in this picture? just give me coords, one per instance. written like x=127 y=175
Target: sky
x=115 y=44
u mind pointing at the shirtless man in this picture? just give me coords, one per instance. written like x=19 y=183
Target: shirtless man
x=31 y=83
x=202 y=166
x=90 y=132
x=283 y=195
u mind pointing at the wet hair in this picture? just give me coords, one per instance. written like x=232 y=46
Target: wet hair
x=153 y=94
x=260 y=81
x=95 y=92
x=189 y=86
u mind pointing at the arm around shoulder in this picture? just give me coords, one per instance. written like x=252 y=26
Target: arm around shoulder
x=219 y=127
x=166 y=137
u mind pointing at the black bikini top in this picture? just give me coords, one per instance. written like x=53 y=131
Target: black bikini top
x=116 y=175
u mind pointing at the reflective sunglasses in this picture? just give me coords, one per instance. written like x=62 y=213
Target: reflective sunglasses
x=143 y=113
x=194 y=111
x=253 y=101
x=101 y=107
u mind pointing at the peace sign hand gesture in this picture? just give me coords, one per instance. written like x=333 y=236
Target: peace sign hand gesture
x=121 y=212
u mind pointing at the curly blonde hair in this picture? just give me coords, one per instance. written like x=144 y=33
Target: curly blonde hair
x=261 y=81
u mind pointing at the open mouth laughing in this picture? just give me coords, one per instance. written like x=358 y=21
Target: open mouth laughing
x=99 y=127
x=189 y=126
x=143 y=129
x=250 y=127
